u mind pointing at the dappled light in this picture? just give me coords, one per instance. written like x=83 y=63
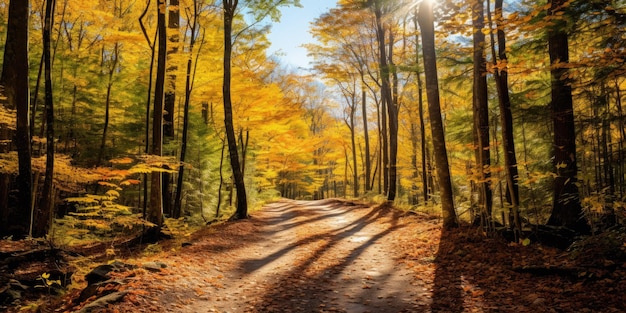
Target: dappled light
x=312 y=156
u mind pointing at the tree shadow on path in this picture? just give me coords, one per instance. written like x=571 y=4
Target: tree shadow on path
x=340 y=264
x=447 y=291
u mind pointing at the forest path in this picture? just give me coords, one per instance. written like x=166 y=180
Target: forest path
x=294 y=256
x=340 y=256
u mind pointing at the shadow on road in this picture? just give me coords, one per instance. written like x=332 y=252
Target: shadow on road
x=321 y=277
x=447 y=289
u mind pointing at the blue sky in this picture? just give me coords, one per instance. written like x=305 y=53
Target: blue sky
x=293 y=31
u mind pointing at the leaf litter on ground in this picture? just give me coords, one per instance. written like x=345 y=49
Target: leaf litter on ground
x=315 y=267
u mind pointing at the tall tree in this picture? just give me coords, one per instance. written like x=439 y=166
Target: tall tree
x=147 y=144
x=155 y=214
x=230 y=8
x=15 y=80
x=506 y=115
x=566 y=209
x=173 y=24
x=260 y=9
x=366 y=138
x=392 y=108
x=348 y=87
x=420 y=109
x=389 y=112
x=426 y=21
x=42 y=216
x=481 y=110
x=193 y=34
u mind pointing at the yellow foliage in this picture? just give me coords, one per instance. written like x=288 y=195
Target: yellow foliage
x=7 y=118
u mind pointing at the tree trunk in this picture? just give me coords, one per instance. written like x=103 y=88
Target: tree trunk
x=381 y=117
x=15 y=80
x=107 y=104
x=481 y=111
x=566 y=210
x=43 y=214
x=177 y=210
x=219 y=188
x=243 y=144
x=385 y=99
x=413 y=195
x=425 y=172
x=392 y=107
x=425 y=20
x=173 y=22
x=387 y=105
x=368 y=162
x=506 y=118
x=230 y=7
x=420 y=109
x=155 y=214
x=350 y=123
x=148 y=103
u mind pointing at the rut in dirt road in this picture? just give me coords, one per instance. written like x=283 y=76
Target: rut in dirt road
x=317 y=256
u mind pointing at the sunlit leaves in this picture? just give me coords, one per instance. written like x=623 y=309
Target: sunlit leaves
x=7 y=118
x=267 y=8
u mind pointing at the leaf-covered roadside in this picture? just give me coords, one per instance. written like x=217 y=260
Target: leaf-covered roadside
x=456 y=271
x=467 y=272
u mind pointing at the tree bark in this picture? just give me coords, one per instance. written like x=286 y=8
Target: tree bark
x=173 y=23
x=481 y=111
x=155 y=214
x=385 y=91
x=43 y=214
x=15 y=80
x=392 y=107
x=566 y=209
x=230 y=7
x=350 y=123
x=425 y=20
x=368 y=162
x=177 y=210
x=169 y=102
x=219 y=188
x=148 y=103
x=389 y=115
x=506 y=118
x=420 y=108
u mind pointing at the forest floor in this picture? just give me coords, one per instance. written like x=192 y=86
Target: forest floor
x=339 y=256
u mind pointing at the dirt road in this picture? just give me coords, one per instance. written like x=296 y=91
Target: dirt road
x=320 y=256
x=339 y=256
